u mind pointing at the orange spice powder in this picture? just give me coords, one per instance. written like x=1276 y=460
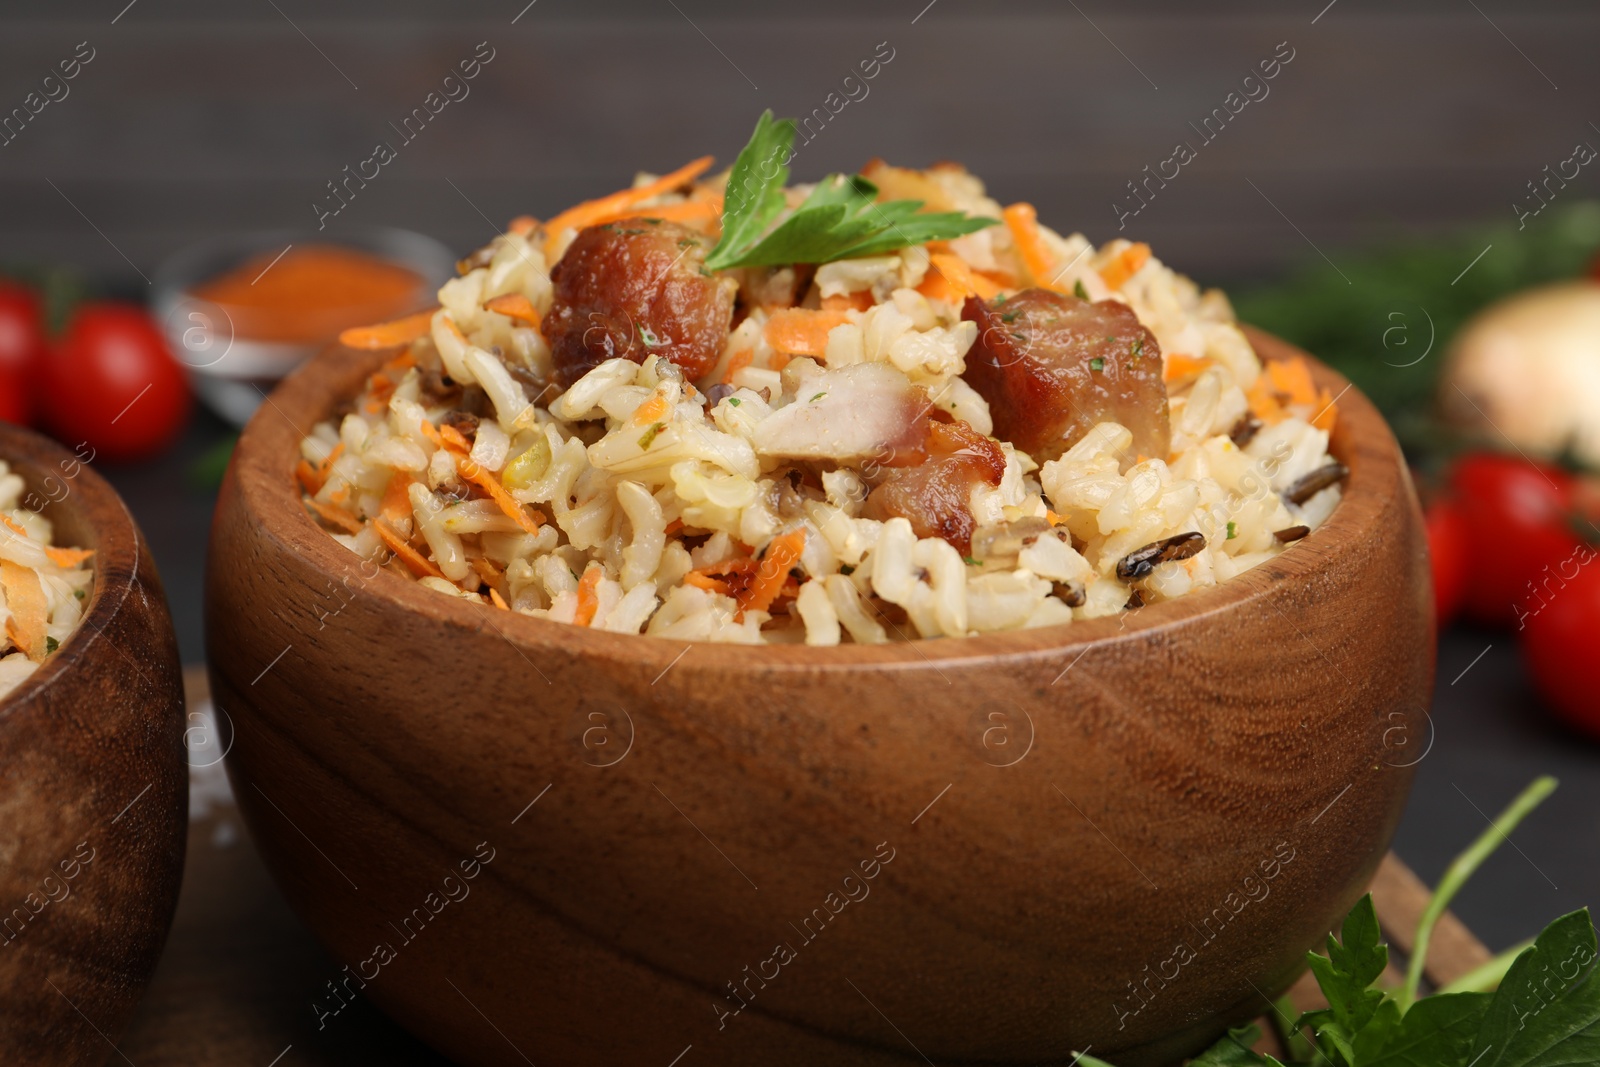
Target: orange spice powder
x=312 y=293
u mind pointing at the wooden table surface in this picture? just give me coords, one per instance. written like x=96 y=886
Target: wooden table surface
x=240 y=973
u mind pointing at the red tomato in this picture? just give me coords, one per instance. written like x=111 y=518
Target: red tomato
x=22 y=347
x=13 y=396
x=1518 y=513
x=112 y=382
x=1558 y=641
x=1449 y=542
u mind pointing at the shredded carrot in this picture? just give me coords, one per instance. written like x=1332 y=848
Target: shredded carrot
x=1326 y=415
x=654 y=409
x=30 y=611
x=588 y=598
x=797 y=332
x=397 y=497
x=522 y=225
x=952 y=280
x=1180 y=366
x=389 y=334
x=1264 y=403
x=782 y=553
x=334 y=516
x=1116 y=273
x=591 y=212
x=857 y=301
x=485 y=479
x=1293 y=378
x=706 y=582
x=498 y=600
x=689 y=211
x=420 y=565
x=901 y=183
x=1052 y=518
x=16 y=527
x=738 y=362
x=453 y=440
x=487 y=570
x=516 y=306
x=1023 y=222
x=674 y=526
x=312 y=479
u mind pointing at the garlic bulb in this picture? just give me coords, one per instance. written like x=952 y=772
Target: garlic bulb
x=1528 y=369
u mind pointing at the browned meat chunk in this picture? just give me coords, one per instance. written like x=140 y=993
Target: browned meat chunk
x=935 y=496
x=1053 y=366
x=635 y=288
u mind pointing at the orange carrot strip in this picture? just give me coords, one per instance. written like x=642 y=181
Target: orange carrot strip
x=857 y=301
x=1116 y=273
x=334 y=516
x=397 y=497
x=588 y=598
x=706 y=582
x=782 y=553
x=16 y=527
x=389 y=334
x=687 y=211
x=522 y=225
x=498 y=600
x=489 y=482
x=674 y=526
x=1023 y=222
x=307 y=476
x=29 y=609
x=420 y=565
x=960 y=278
x=1326 y=414
x=453 y=440
x=797 y=332
x=591 y=211
x=1293 y=377
x=67 y=558
x=516 y=306
x=1180 y=366
x=652 y=410
x=1264 y=402
x=738 y=362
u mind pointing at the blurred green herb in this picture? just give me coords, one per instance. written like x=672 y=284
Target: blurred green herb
x=208 y=468
x=1374 y=321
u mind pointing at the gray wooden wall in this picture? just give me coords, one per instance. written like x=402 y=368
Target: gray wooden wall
x=196 y=118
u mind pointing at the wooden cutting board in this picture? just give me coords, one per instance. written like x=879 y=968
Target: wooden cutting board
x=240 y=972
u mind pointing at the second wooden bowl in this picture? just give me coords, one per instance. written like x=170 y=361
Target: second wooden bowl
x=94 y=788
x=531 y=842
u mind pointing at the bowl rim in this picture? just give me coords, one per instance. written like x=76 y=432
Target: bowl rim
x=115 y=539
x=262 y=471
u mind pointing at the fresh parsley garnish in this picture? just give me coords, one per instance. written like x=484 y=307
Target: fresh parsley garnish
x=649 y=435
x=1233 y=531
x=1097 y=364
x=647 y=336
x=969 y=561
x=51 y=644
x=841 y=219
x=816 y=398
x=1138 y=347
x=847 y=569
x=735 y=401
x=1079 y=291
x=1535 y=1006
x=80 y=593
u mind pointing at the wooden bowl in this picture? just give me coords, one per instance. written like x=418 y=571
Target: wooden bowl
x=532 y=842
x=94 y=792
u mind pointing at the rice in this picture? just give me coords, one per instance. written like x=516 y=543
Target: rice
x=43 y=588
x=719 y=509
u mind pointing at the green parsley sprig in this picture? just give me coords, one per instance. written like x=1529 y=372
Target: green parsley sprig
x=1543 y=1011
x=841 y=219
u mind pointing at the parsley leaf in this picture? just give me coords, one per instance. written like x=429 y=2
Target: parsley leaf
x=649 y=436
x=1233 y=531
x=1233 y=1050
x=51 y=644
x=1097 y=364
x=1351 y=965
x=1547 y=1010
x=840 y=219
x=1079 y=291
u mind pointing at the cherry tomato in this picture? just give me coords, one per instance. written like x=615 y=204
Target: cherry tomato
x=1449 y=543
x=112 y=382
x=1517 y=512
x=22 y=347
x=1558 y=641
x=13 y=396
